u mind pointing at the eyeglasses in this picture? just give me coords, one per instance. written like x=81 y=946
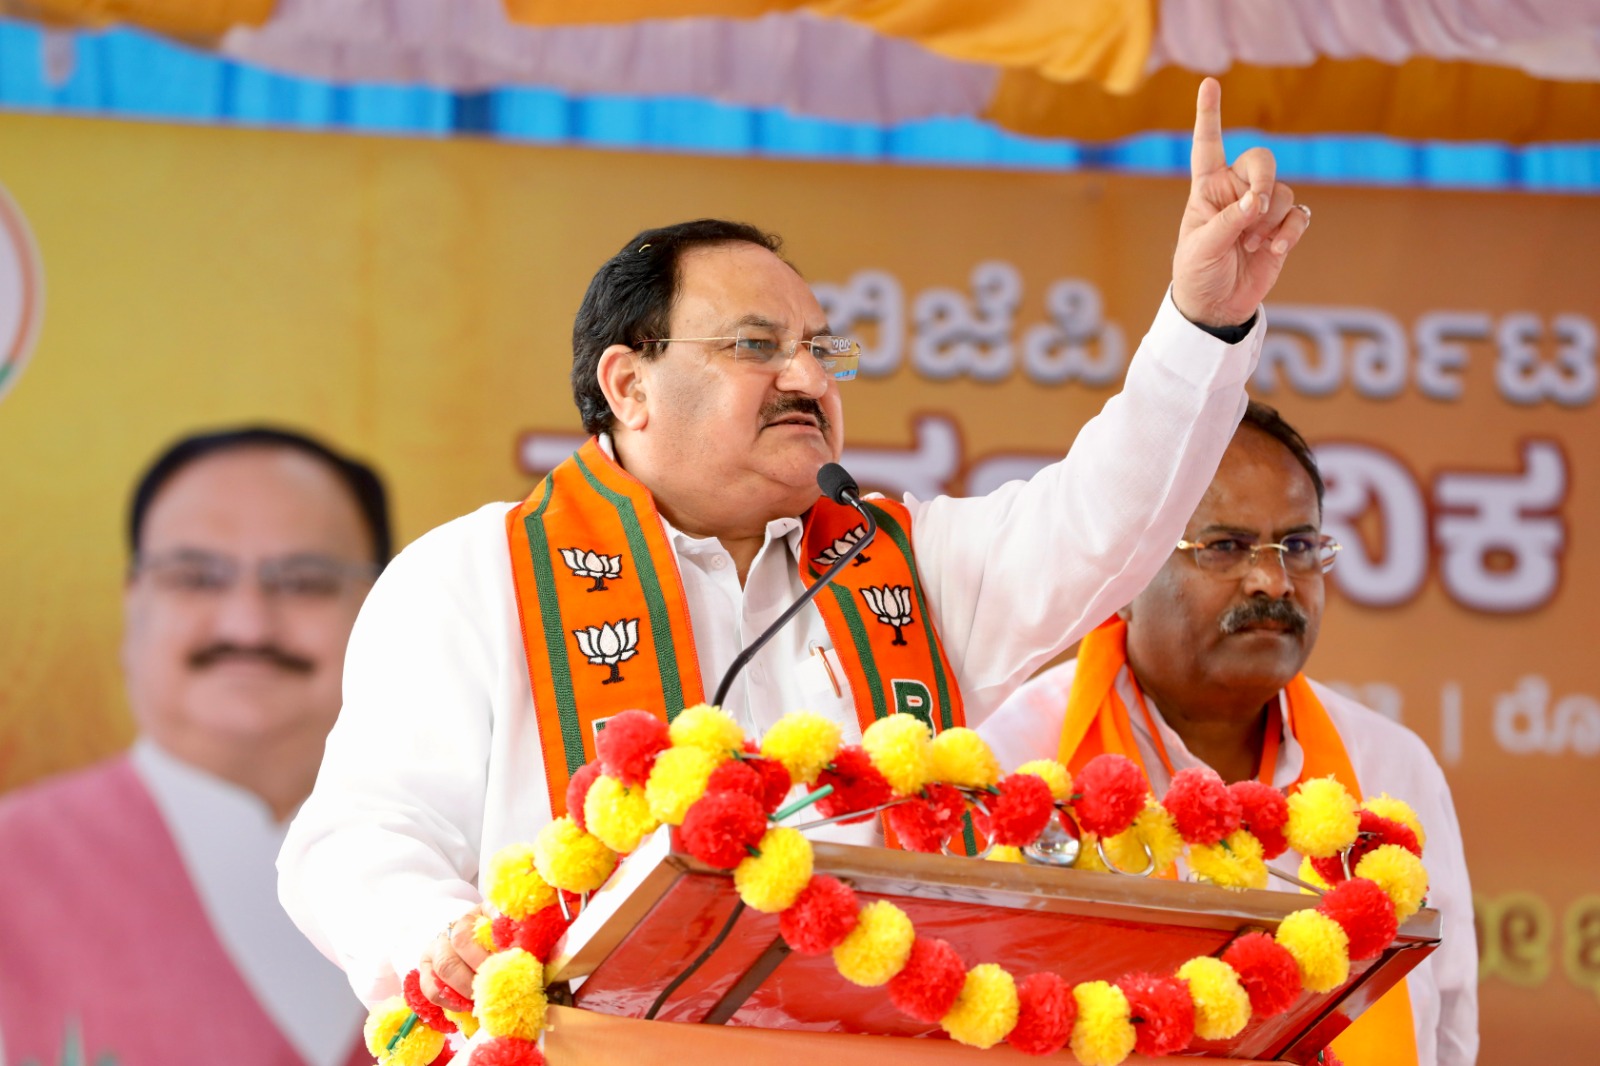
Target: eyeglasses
x=839 y=357
x=1234 y=556
x=300 y=579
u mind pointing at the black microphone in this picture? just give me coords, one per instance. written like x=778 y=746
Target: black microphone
x=837 y=484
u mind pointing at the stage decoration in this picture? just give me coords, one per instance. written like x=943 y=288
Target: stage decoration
x=723 y=795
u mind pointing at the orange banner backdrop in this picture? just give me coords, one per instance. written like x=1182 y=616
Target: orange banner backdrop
x=412 y=301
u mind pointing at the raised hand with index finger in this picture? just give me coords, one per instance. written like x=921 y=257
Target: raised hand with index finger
x=1238 y=226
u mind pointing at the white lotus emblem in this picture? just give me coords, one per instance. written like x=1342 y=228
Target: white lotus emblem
x=609 y=644
x=835 y=551
x=892 y=605
x=592 y=565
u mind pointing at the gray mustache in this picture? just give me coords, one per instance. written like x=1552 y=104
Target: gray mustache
x=1264 y=610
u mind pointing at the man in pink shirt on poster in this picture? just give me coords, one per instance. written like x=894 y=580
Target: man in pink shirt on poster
x=140 y=922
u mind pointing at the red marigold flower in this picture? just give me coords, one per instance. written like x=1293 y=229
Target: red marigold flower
x=822 y=915
x=1019 y=813
x=629 y=744
x=857 y=785
x=1201 y=805
x=1366 y=914
x=1374 y=830
x=736 y=776
x=927 y=987
x=775 y=777
x=1046 y=1010
x=578 y=791
x=428 y=1012
x=538 y=932
x=503 y=930
x=1265 y=812
x=1111 y=791
x=1162 y=1012
x=720 y=828
x=1269 y=974
x=506 y=1051
x=444 y=1056
x=927 y=822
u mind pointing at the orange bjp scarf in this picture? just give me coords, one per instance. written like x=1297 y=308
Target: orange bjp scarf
x=605 y=622
x=1097 y=723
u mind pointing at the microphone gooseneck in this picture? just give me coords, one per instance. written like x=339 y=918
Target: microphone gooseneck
x=836 y=484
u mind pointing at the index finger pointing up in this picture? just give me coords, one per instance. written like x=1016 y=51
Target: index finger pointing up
x=1207 y=155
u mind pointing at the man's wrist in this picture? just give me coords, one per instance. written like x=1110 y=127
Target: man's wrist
x=1231 y=334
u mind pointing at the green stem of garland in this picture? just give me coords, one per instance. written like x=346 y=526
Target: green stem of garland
x=405 y=1030
x=802 y=803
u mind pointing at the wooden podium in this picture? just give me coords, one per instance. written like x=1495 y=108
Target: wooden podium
x=663 y=909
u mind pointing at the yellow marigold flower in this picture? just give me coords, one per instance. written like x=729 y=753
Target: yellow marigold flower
x=1309 y=875
x=1103 y=1034
x=878 y=947
x=513 y=885
x=1399 y=873
x=1055 y=775
x=677 y=779
x=1320 y=947
x=899 y=746
x=960 y=757
x=804 y=742
x=617 y=814
x=1234 y=862
x=508 y=992
x=1221 y=1005
x=419 y=1047
x=709 y=728
x=1089 y=856
x=483 y=933
x=570 y=858
x=1322 y=818
x=1153 y=829
x=1004 y=853
x=466 y=1021
x=1386 y=806
x=769 y=882
x=985 y=1010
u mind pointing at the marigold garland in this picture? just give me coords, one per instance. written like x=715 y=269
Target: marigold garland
x=985 y=1009
x=878 y=947
x=685 y=775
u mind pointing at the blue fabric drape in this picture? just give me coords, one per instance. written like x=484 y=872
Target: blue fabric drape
x=127 y=74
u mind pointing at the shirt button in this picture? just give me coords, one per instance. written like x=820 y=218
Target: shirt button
x=718 y=562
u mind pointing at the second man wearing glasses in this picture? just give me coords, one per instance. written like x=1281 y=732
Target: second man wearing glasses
x=1203 y=668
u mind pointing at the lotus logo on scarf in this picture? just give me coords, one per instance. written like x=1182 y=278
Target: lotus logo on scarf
x=21 y=292
x=609 y=644
x=835 y=551
x=892 y=605
x=592 y=565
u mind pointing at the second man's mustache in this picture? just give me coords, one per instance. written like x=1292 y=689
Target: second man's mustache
x=1264 y=610
x=267 y=653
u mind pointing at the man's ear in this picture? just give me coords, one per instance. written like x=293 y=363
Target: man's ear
x=620 y=374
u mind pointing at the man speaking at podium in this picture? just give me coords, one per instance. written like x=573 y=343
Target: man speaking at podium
x=495 y=645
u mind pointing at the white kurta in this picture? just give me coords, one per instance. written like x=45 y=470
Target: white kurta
x=1386 y=756
x=435 y=762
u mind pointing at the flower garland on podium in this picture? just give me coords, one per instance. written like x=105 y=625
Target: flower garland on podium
x=724 y=795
